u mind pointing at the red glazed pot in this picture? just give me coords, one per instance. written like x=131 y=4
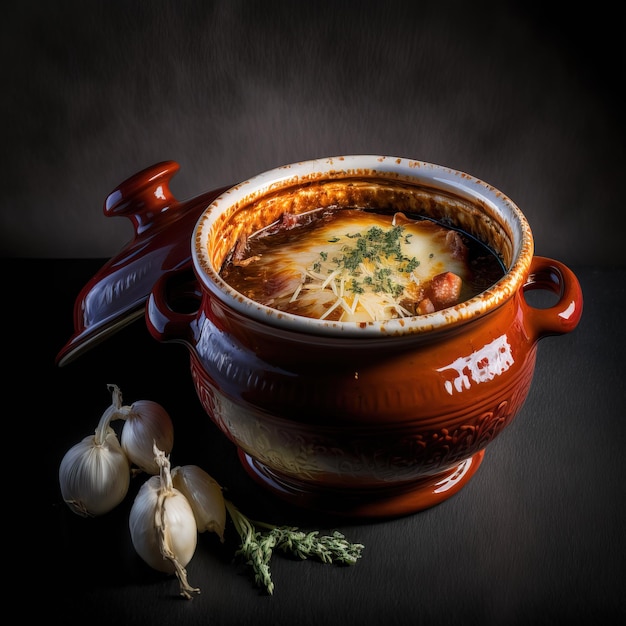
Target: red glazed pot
x=363 y=419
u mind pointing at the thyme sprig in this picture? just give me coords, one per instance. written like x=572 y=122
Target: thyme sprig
x=258 y=546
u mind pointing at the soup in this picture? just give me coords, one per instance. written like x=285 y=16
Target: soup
x=359 y=265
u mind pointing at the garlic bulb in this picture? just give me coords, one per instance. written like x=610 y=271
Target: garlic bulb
x=205 y=497
x=146 y=424
x=94 y=474
x=162 y=525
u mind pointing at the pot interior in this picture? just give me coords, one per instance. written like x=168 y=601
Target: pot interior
x=475 y=217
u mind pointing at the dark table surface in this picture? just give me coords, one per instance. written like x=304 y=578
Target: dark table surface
x=538 y=536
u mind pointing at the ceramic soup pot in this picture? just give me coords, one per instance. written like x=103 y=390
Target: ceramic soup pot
x=373 y=419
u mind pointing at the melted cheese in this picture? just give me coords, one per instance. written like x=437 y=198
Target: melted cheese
x=349 y=265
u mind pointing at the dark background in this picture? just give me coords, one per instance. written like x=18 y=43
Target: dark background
x=523 y=96
x=519 y=95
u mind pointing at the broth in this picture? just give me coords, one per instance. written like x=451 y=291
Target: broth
x=360 y=265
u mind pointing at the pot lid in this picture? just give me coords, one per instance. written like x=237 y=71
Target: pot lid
x=116 y=295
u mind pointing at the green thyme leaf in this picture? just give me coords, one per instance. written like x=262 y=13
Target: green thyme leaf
x=257 y=547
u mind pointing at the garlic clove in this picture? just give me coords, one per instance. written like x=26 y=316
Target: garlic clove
x=180 y=533
x=146 y=424
x=205 y=497
x=94 y=477
x=162 y=525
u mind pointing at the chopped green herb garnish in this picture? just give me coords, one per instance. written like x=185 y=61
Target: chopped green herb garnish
x=411 y=265
x=371 y=246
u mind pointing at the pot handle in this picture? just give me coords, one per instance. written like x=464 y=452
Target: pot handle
x=563 y=316
x=173 y=304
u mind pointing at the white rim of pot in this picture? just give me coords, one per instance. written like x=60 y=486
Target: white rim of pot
x=438 y=177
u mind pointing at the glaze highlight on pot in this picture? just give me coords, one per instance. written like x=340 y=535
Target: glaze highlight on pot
x=370 y=419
